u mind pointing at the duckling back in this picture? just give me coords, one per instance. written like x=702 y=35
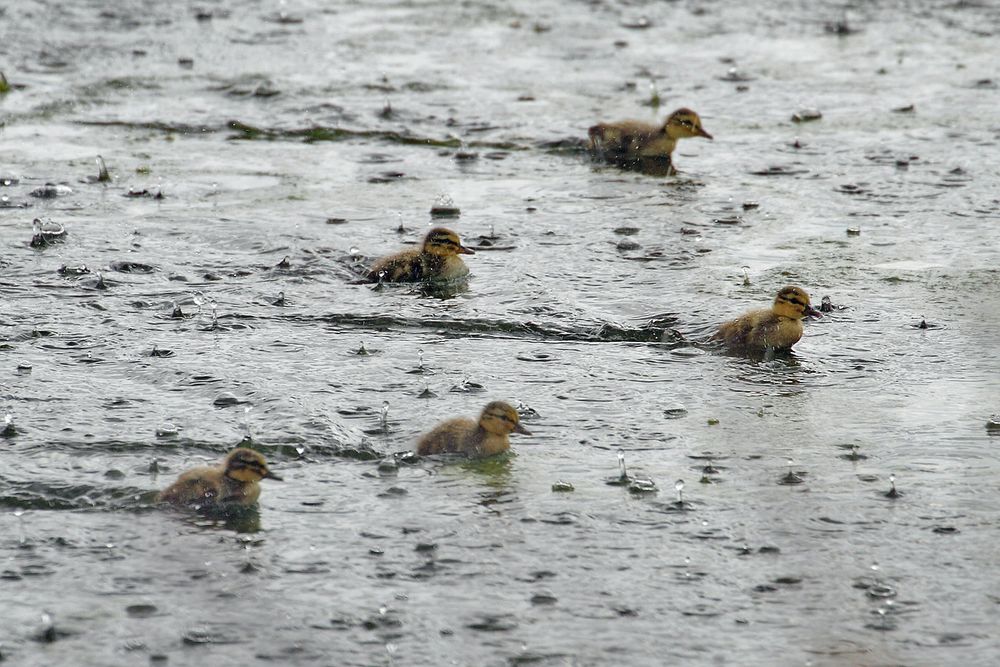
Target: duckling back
x=459 y=435
x=403 y=267
x=198 y=486
x=760 y=330
x=628 y=141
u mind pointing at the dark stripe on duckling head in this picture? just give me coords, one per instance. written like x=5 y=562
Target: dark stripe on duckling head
x=247 y=459
x=688 y=119
x=445 y=238
x=504 y=412
x=797 y=297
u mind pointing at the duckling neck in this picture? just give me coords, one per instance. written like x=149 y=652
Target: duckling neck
x=236 y=490
x=488 y=443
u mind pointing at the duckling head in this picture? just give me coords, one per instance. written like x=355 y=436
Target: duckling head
x=793 y=302
x=500 y=418
x=684 y=123
x=442 y=241
x=246 y=465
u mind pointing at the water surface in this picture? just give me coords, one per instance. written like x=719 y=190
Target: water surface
x=311 y=132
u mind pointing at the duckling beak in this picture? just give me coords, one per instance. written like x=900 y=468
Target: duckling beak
x=703 y=133
x=271 y=475
x=462 y=250
x=520 y=429
x=813 y=312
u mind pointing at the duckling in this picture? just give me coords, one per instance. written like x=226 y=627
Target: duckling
x=632 y=144
x=233 y=482
x=437 y=259
x=778 y=327
x=479 y=439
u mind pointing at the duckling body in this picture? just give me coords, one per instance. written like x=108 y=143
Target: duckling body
x=436 y=259
x=778 y=327
x=476 y=439
x=232 y=482
x=633 y=144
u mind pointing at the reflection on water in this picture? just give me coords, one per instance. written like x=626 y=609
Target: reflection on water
x=197 y=283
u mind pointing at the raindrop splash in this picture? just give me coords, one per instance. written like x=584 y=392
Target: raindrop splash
x=102 y=170
x=892 y=492
x=247 y=435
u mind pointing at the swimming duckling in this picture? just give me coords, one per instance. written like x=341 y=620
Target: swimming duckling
x=632 y=144
x=233 y=482
x=437 y=259
x=778 y=327
x=479 y=439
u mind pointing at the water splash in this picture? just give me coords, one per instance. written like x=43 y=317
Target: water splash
x=892 y=492
x=102 y=170
x=247 y=435
x=22 y=536
x=198 y=298
x=679 y=488
x=384 y=416
x=621 y=465
x=746 y=276
x=654 y=95
x=215 y=313
x=791 y=477
x=9 y=430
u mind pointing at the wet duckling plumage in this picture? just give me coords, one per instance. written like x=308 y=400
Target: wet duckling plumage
x=778 y=327
x=436 y=259
x=232 y=482
x=633 y=144
x=475 y=439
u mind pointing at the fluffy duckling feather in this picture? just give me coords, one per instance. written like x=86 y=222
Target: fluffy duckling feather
x=232 y=482
x=632 y=144
x=436 y=259
x=475 y=439
x=778 y=327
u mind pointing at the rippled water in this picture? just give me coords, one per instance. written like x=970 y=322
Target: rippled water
x=311 y=132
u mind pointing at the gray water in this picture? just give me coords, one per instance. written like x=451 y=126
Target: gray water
x=312 y=131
